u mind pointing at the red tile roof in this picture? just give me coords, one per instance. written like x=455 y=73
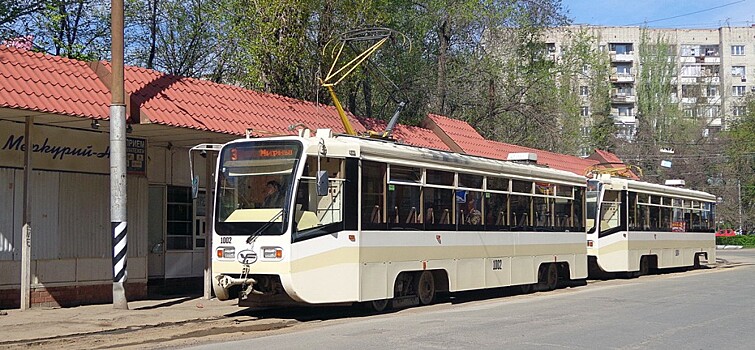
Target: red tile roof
x=411 y=135
x=472 y=142
x=51 y=84
x=204 y=105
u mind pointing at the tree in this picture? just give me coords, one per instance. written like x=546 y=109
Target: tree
x=78 y=29
x=738 y=187
x=177 y=37
x=12 y=11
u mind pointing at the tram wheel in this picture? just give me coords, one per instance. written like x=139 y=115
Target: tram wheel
x=644 y=268
x=547 y=277
x=426 y=288
x=379 y=305
x=552 y=277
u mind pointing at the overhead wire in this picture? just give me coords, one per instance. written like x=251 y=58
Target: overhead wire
x=687 y=14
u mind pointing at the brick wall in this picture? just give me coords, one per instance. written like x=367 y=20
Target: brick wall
x=68 y=296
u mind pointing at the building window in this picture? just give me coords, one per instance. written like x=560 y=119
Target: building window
x=737 y=50
x=738 y=71
x=621 y=49
x=691 y=70
x=180 y=216
x=738 y=91
x=626 y=111
x=585 y=131
x=738 y=111
x=711 y=91
x=583 y=91
x=585 y=111
x=623 y=69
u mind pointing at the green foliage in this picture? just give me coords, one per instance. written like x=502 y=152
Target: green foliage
x=739 y=190
x=746 y=241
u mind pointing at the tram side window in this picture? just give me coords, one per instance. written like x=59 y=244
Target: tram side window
x=642 y=215
x=373 y=193
x=403 y=205
x=708 y=217
x=544 y=215
x=495 y=209
x=610 y=212
x=632 y=208
x=439 y=206
x=470 y=210
x=563 y=209
x=578 y=219
x=666 y=212
x=328 y=209
x=521 y=211
x=678 y=223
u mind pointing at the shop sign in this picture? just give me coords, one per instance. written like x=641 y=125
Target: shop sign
x=63 y=149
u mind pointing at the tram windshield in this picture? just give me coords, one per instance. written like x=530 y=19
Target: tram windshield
x=254 y=187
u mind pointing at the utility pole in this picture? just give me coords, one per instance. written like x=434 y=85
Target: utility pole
x=739 y=200
x=118 y=214
x=26 y=217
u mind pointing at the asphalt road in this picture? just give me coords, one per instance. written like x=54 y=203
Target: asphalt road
x=700 y=309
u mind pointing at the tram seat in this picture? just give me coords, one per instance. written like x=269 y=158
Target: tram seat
x=411 y=218
x=462 y=217
x=446 y=217
x=522 y=220
x=430 y=217
x=396 y=220
x=375 y=218
x=500 y=219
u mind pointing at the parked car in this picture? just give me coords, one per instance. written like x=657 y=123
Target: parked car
x=726 y=232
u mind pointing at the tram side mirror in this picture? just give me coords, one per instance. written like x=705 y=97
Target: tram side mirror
x=322 y=183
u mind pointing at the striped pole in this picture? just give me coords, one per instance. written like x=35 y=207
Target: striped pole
x=120 y=250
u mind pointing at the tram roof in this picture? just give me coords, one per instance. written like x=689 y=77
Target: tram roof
x=409 y=155
x=664 y=190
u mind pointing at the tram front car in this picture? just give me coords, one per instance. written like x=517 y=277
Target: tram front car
x=265 y=188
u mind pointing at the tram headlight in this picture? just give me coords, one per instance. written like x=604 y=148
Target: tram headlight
x=272 y=252
x=226 y=252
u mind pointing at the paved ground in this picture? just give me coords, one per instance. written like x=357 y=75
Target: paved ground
x=46 y=323
x=56 y=327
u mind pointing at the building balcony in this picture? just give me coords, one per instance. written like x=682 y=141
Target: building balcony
x=622 y=78
x=708 y=60
x=623 y=119
x=622 y=57
x=689 y=100
x=623 y=98
x=709 y=80
x=715 y=122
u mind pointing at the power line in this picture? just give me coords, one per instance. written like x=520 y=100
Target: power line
x=687 y=14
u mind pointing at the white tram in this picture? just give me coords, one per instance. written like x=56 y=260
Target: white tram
x=362 y=220
x=637 y=227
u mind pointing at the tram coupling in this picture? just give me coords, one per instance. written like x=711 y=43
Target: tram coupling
x=227 y=282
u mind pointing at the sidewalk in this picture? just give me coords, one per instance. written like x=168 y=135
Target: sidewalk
x=46 y=323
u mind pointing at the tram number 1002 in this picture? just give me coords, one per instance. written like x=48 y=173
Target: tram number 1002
x=497 y=264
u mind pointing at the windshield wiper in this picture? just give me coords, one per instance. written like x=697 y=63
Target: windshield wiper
x=264 y=227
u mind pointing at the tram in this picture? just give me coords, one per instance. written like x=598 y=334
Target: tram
x=635 y=227
x=359 y=220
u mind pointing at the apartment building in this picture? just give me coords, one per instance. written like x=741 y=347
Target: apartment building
x=715 y=69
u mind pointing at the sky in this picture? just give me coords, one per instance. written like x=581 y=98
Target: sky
x=694 y=14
